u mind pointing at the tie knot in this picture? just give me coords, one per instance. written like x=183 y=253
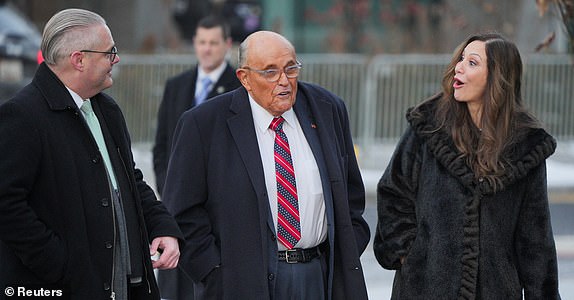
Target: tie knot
x=277 y=124
x=87 y=107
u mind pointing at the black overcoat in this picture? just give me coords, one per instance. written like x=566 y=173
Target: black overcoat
x=460 y=238
x=56 y=221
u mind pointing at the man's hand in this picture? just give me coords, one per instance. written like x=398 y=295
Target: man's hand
x=169 y=255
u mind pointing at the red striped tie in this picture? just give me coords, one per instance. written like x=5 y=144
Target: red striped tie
x=288 y=223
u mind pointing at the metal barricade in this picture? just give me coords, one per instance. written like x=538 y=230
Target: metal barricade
x=377 y=90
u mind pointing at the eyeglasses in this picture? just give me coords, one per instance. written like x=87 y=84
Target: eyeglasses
x=273 y=75
x=111 y=54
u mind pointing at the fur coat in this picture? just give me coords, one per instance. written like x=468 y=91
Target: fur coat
x=458 y=237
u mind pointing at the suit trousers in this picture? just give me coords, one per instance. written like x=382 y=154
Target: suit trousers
x=301 y=281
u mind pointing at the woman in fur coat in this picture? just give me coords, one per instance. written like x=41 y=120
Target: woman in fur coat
x=463 y=205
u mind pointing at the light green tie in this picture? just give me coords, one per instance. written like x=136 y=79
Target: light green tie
x=96 y=130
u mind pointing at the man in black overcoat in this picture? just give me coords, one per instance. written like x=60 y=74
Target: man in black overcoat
x=228 y=175
x=75 y=213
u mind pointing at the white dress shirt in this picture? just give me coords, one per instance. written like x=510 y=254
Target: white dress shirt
x=308 y=180
x=77 y=99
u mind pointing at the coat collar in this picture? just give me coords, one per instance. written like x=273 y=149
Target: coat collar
x=55 y=92
x=52 y=88
x=528 y=153
x=58 y=98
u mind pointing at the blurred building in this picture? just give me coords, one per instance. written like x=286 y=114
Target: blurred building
x=318 y=26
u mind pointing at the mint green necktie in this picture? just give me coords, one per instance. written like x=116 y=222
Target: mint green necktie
x=96 y=130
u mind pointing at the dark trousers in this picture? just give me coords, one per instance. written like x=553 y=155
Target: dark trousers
x=301 y=281
x=139 y=292
x=175 y=284
x=298 y=281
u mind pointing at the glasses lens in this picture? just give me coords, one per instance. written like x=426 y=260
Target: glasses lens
x=292 y=71
x=271 y=75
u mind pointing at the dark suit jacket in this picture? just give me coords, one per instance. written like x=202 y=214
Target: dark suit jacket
x=179 y=96
x=56 y=217
x=216 y=190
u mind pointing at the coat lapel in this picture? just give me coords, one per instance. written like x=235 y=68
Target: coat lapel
x=53 y=90
x=110 y=116
x=189 y=93
x=243 y=132
x=225 y=83
x=314 y=129
x=59 y=99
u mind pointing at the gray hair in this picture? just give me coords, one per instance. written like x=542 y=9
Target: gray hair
x=66 y=32
x=242 y=53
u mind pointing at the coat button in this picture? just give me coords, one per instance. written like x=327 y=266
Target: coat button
x=271 y=276
x=273 y=238
x=108 y=245
x=105 y=202
x=106 y=286
x=95 y=160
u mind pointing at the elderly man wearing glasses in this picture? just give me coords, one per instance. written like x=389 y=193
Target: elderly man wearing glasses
x=265 y=186
x=76 y=217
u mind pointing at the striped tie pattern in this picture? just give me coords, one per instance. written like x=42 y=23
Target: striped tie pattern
x=288 y=223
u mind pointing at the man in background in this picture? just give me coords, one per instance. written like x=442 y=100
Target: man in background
x=212 y=76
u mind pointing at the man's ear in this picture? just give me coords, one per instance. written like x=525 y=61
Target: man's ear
x=77 y=60
x=242 y=76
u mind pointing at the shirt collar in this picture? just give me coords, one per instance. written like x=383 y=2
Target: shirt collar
x=213 y=75
x=77 y=99
x=262 y=118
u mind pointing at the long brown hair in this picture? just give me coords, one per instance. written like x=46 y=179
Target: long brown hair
x=502 y=110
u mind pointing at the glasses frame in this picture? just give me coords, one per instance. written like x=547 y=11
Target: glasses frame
x=266 y=72
x=112 y=53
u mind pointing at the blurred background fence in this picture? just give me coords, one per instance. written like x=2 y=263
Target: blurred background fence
x=377 y=90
